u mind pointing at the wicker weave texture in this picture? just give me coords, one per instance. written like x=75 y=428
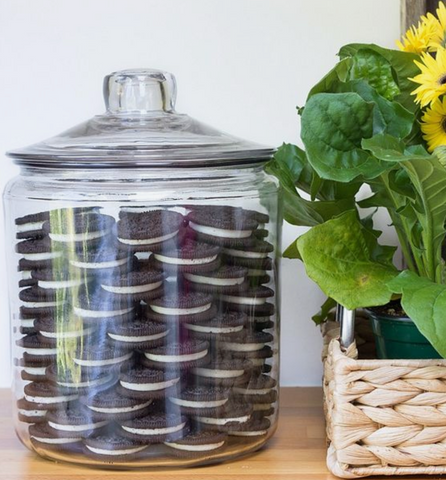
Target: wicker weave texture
x=384 y=417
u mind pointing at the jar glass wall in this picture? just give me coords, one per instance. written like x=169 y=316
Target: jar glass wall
x=145 y=313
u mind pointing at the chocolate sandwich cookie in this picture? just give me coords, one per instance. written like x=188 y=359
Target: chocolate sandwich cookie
x=261 y=218
x=26 y=279
x=260 y=323
x=245 y=343
x=262 y=410
x=102 y=260
x=31 y=371
x=68 y=326
x=101 y=356
x=74 y=419
x=224 y=371
x=79 y=229
x=259 y=389
x=223 y=226
x=38 y=301
x=156 y=427
x=200 y=399
x=111 y=447
x=256 y=357
x=111 y=405
x=97 y=305
x=28 y=413
x=27 y=323
x=197 y=444
x=182 y=307
x=256 y=427
x=56 y=279
x=149 y=231
x=141 y=383
x=258 y=276
x=43 y=436
x=190 y=257
x=183 y=355
x=254 y=257
x=37 y=350
x=30 y=226
x=226 y=279
x=253 y=301
x=226 y=323
x=47 y=396
x=78 y=380
x=140 y=334
x=38 y=253
x=140 y=285
x=232 y=416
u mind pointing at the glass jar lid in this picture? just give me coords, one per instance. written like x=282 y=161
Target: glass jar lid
x=141 y=129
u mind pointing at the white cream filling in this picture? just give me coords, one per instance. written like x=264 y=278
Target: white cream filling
x=154 y=431
x=56 y=441
x=143 y=255
x=87 y=383
x=78 y=237
x=81 y=312
x=176 y=358
x=98 y=265
x=223 y=421
x=198 y=404
x=40 y=304
x=220 y=232
x=120 y=409
x=133 y=289
x=147 y=241
x=26 y=275
x=259 y=319
x=100 y=363
x=77 y=428
x=219 y=282
x=67 y=334
x=242 y=347
x=217 y=373
x=253 y=272
x=46 y=284
x=27 y=323
x=195 y=448
x=180 y=311
x=258 y=407
x=35 y=370
x=254 y=433
x=122 y=451
x=149 y=387
x=185 y=261
x=209 y=329
x=50 y=400
x=32 y=413
x=243 y=254
x=29 y=227
x=146 y=338
x=257 y=362
x=40 y=351
x=248 y=391
x=35 y=257
x=244 y=300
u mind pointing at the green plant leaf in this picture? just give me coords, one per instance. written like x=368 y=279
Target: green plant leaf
x=424 y=302
x=326 y=308
x=333 y=126
x=403 y=68
x=338 y=256
x=390 y=149
x=339 y=72
x=376 y=70
x=292 y=252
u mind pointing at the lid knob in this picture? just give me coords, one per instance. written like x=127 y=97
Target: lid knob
x=139 y=91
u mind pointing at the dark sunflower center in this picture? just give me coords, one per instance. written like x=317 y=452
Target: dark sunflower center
x=442 y=80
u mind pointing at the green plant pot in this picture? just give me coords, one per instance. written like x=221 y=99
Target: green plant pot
x=398 y=338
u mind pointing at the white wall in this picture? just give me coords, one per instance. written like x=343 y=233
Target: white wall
x=241 y=65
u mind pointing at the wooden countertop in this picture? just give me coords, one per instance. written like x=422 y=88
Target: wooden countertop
x=296 y=452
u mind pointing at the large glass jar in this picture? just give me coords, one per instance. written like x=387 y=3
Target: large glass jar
x=144 y=287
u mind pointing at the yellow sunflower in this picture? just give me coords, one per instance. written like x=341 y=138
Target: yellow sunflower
x=433 y=125
x=438 y=36
x=419 y=39
x=432 y=78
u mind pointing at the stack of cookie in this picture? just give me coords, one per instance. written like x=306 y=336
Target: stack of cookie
x=157 y=328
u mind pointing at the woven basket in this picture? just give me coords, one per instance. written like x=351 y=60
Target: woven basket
x=384 y=417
